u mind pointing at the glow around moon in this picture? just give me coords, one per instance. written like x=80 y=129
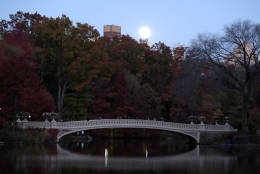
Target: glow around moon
x=144 y=32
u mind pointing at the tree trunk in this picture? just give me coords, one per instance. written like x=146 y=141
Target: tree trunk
x=62 y=86
x=245 y=112
x=15 y=108
x=246 y=102
x=61 y=95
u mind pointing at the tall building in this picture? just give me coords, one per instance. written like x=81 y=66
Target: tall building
x=238 y=54
x=112 y=31
x=179 y=52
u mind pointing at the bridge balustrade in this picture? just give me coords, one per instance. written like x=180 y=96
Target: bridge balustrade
x=110 y=123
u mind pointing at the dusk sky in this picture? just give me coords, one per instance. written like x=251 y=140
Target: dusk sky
x=173 y=22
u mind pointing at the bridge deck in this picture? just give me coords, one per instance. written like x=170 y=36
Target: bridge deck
x=192 y=130
x=117 y=122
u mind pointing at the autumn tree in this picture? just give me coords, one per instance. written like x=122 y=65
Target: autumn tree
x=58 y=43
x=92 y=75
x=20 y=88
x=64 y=44
x=235 y=54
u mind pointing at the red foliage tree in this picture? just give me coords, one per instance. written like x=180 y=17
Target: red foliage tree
x=111 y=98
x=20 y=88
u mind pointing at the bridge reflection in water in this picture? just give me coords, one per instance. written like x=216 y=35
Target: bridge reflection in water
x=192 y=160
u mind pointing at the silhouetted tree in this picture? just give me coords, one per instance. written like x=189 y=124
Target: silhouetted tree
x=235 y=54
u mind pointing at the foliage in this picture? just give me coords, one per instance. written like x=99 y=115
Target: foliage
x=20 y=85
x=91 y=76
x=57 y=44
x=235 y=55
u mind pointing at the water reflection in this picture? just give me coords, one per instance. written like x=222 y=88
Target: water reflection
x=128 y=148
x=191 y=159
x=80 y=157
x=106 y=155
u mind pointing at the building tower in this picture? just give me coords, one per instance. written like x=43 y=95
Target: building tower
x=112 y=31
x=179 y=53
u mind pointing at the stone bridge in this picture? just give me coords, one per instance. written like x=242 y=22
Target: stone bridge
x=191 y=130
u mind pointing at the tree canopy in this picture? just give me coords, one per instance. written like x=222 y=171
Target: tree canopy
x=52 y=64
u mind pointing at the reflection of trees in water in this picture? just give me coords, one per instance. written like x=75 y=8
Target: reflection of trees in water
x=129 y=148
x=207 y=158
x=116 y=141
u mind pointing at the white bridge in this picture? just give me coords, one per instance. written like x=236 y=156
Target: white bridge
x=64 y=128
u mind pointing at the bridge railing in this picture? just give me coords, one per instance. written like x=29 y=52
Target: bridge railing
x=121 y=123
x=115 y=122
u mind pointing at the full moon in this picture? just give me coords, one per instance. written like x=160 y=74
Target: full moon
x=144 y=32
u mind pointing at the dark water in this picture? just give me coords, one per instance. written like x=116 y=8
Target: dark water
x=129 y=156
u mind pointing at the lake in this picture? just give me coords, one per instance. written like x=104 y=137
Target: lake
x=129 y=156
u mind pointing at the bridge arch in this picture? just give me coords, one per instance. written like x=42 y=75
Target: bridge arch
x=191 y=134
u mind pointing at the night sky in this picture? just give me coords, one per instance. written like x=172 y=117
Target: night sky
x=173 y=22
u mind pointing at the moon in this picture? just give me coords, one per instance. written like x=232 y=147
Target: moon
x=144 y=32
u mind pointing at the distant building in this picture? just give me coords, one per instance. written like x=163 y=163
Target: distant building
x=178 y=53
x=237 y=55
x=112 y=31
x=144 y=41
